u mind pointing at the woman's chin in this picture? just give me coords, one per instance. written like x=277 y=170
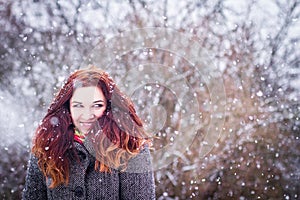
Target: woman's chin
x=84 y=131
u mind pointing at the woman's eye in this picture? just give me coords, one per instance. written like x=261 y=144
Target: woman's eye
x=77 y=106
x=98 y=105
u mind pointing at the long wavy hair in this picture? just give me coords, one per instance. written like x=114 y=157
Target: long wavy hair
x=115 y=137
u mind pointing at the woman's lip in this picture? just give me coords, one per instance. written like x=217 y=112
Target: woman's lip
x=85 y=123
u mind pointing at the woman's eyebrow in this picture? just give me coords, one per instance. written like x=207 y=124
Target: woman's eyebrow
x=98 y=101
x=77 y=102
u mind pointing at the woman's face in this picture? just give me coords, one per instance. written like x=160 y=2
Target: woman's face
x=87 y=104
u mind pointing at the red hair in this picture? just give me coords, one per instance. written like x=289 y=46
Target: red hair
x=117 y=136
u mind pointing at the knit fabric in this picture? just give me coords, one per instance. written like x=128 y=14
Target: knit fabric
x=79 y=137
x=136 y=183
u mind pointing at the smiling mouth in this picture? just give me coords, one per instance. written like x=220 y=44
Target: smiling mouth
x=86 y=124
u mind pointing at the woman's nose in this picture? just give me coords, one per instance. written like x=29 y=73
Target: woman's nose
x=88 y=114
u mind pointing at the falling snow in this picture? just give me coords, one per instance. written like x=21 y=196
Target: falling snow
x=206 y=145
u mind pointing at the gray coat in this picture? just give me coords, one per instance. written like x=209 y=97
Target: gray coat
x=136 y=183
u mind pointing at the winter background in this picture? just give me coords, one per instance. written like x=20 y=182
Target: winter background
x=246 y=142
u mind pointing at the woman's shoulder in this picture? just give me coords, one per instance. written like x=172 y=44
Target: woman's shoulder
x=141 y=162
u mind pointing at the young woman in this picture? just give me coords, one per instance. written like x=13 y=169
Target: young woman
x=90 y=145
